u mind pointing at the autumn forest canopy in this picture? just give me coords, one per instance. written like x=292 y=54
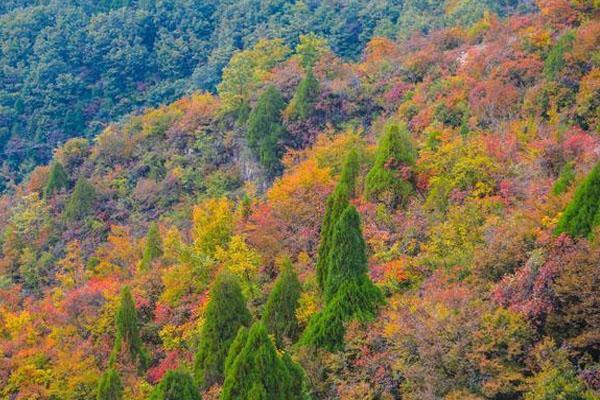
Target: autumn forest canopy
x=390 y=199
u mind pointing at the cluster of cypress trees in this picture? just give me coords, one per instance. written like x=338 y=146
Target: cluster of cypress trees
x=342 y=267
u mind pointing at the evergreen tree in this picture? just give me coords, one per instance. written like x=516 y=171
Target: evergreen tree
x=176 y=385
x=258 y=372
x=153 y=248
x=81 y=201
x=350 y=171
x=582 y=214
x=349 y=292
x=302 y=104
x=389 y=179
x=280 y=311
x=128 y=332
x=265 y=130
x=225 y=314
x=336 y=204
x=57 y=179
x=110 y=386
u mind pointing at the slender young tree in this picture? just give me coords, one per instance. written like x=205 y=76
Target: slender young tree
x=57 y=179
x=349 y=292
x=81 y=201
x=128 y=331
x=280 y=311
x=110 y=386
x=176 y=385
x=153 y=248
x=225 y=314
x=258 y=372
x=265 y=130
x=350 y=171
x=389 y=179
x=302 y=104
x=582 y=214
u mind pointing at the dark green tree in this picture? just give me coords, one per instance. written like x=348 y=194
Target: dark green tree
x=265 y=130
x=350 y=171
x=57 y=179
x=128 y=331
x=110 y=386
x=349 y=292
x=82 y=200
x=582 y=214
x=176 y=385
x=302 y=104
x=280 y=311
x=153 y=248
x=336 y=204
x=389 y=179
x=258 y=372
x=225 y=314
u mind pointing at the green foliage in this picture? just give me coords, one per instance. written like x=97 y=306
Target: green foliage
x=153 y=248
x=582 y=214
x=555 y=61
x=280 y=311
x=225 y=314
x=389 y=179
x=265 y=130
x=349 y=292
x=176 y=385
x=128 y=331
x=310 y=48
x=57 y=179
x=81 y=202
x=258 y=372
x=565 y=179
x=350 y=171
x=302 y=104
x=110 y=386
x=337 y=202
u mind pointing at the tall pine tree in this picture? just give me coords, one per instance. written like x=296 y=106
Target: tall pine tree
x=258 y=372
x=225 y=313
x=265 y=130
x=389 y=181
x=280 y=311
x=57 y=179
x=302 y=104
x=128 y=331
x=153 y=248
x=110 y=386
x=176 y=385
x=81 y=201
x=349 y=292
x=582 y=214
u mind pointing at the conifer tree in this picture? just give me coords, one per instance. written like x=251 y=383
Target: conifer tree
x=582 y=214
x=336 y=204
x=176 y=385
x=81 y=201
x=128 y=332
x=280 y=311
x=153 y=248
x=110 y=386
x=389 y=179
x=350 y=171
x=258 y=372
x=57 y=179
x=225 y=313
x=265 y=130
x=302 y=104
x=349 y=292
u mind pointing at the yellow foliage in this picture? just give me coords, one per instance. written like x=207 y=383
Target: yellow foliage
x=213 y=225
x=242 y=260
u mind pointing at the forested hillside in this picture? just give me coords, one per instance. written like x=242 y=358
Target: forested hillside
x=377 y=201
x=69 y=67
